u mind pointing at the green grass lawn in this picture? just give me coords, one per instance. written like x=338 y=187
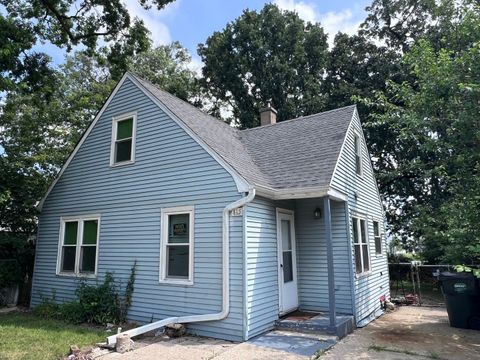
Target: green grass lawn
x=25 y=336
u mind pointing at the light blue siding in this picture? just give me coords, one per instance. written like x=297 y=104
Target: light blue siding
x=262 y=264
x=312 y=257
x=368 y=288
x=170 y=169
x=312 y=277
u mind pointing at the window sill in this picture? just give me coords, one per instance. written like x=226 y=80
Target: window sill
x=73 y=275
x=123 y=163
x=176 y=282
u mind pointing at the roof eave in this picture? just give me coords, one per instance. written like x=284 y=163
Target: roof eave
x=300 y=193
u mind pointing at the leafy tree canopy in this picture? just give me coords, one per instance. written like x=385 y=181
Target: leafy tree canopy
x=66 y=24
x=267 y=56
x=431 y=179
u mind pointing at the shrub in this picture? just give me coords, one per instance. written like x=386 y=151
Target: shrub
x=71 y=312
x=47 y=309
x=16 y=259
x=98 y=304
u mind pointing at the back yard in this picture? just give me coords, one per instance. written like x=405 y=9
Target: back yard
x=25 y=336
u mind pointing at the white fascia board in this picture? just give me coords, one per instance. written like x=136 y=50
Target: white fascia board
x=82 y=140
x=300 y=193
x=242 y=184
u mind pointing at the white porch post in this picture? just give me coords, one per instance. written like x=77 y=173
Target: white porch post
x=330 y=267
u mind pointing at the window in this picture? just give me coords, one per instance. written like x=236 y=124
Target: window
x=176 y=265
x=358 y=155
x=78 y=247
x=378 y=238
x=360 y=243
x=123 y=139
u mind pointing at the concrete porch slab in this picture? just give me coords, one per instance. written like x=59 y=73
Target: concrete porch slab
x=294 y=342
x=319 y=323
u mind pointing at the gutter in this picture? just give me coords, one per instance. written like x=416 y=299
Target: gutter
x=111 y=340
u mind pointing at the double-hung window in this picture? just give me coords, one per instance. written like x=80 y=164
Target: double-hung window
x=177 y=235
x=358 y=155
x=78 y=246
x=360 y=243
x=377 y=237
x=123 y=139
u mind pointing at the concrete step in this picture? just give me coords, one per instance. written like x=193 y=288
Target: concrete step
x=319 y=324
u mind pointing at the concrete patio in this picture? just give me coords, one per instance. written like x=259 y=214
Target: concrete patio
x=409 y=333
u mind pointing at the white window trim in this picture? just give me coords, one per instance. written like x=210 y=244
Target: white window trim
x=115 y=121
x=380 y=233
x=81 y=219
x=363 y=273
x=356 y=136
x=165 y=213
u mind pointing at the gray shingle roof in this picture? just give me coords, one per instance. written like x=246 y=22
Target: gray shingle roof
x=296 y=153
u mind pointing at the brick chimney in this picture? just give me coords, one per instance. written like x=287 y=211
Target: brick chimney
x=268 y=115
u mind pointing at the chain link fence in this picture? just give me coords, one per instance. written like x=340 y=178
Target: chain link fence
x=416 y=284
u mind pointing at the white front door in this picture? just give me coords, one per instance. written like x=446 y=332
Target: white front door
x=287 y=263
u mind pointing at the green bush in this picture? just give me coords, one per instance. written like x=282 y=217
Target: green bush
x=16 y=259
x=98 y=304
x=48 y=309
x=71 y=312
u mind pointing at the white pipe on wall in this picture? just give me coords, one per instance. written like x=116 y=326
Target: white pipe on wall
x=111 y=340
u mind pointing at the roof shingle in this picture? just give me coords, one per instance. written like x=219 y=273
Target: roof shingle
x=297 y=153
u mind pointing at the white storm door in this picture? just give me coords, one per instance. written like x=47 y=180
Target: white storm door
x=287 y=264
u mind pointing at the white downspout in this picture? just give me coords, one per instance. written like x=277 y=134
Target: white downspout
x=111 y=340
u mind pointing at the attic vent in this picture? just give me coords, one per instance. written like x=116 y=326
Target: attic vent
x=268 y=115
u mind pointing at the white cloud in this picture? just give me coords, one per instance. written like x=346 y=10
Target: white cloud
x=346 y=20
x=306 y=11
x=343 y=21
x=196 y=65
x=152 y=18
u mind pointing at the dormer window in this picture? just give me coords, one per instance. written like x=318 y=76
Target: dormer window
x=358 y=155
x=123 y=139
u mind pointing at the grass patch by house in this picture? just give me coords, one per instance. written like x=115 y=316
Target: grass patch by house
x=25 y=336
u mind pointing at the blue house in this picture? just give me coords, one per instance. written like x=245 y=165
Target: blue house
x=231 y=229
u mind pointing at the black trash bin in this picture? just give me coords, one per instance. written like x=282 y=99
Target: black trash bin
x=461 y=294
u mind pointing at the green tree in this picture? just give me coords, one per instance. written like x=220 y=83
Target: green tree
x=66 y=24
x=167 y=66
x=432 y=176
x=271 y=55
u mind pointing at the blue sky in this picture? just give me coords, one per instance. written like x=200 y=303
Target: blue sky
x=191 y=21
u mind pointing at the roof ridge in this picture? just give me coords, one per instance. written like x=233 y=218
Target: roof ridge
x=299 y=118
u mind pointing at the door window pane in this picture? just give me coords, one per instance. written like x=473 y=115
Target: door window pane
x=87 y=259
x=68 y=258
x=178 y=261
x=287 y=266
x=178 y=230
x=70 y=237
x=286 y=235
x=124 y=129
x=123 y=150
x=90 y=232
